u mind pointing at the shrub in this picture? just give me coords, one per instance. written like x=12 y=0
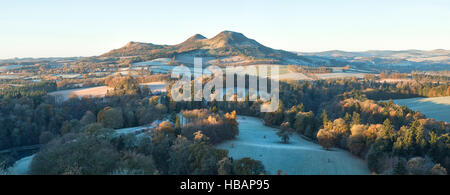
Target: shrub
x=80 y=154
x=326 y=138
x=248 y=166
x=419 y=166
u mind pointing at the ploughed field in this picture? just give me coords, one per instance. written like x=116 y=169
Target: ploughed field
x=298 y=157
x=437 y=108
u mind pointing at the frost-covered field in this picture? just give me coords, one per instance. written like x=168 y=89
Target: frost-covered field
x=294 y=76
x=299 y=157
x=437 y=108
x=10 y=67
x=21 y=166
x=92 y=91
x=138 y=130
x=156 y=87
x=339 y=75
x=9 y=76
x=68 y=76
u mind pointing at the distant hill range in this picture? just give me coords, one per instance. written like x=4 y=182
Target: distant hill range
x=226 y=43
x=233 y=48
x=405 y=60
x=226 y=47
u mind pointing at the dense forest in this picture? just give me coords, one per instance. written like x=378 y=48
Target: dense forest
x=339 y=113
x=334 y=113
x=98 y=151
x=70 y=131
x=34 y=90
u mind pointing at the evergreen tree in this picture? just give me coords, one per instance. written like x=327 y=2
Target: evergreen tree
x=324 y=117
x=285 y=132
x=399 y=169
x=347 y=117
x=178 y=125
x=356 y=119
x=388 y=130
x=420 y=140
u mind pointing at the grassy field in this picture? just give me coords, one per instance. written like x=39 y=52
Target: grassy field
x=21 y=167
x=299 y=157
x=437 y=108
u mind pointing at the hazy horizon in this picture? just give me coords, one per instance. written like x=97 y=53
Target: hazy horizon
x=84 y=28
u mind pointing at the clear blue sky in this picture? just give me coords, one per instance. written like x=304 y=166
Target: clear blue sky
x=83 y=28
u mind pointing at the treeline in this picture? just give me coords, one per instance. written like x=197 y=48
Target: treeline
x=154 y=78
x=393 y=75
x=128 y=85
x=313 y=94
x=407 y=90
x=33 y=90
x=77 y=83
x=434 y=76
x=92 y=82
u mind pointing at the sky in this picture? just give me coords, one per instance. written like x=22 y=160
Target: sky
x=64 y=28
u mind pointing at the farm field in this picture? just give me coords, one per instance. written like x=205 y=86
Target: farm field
x=92 y=91
x=294 y=76
x=339 y=75
x=156 y=87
